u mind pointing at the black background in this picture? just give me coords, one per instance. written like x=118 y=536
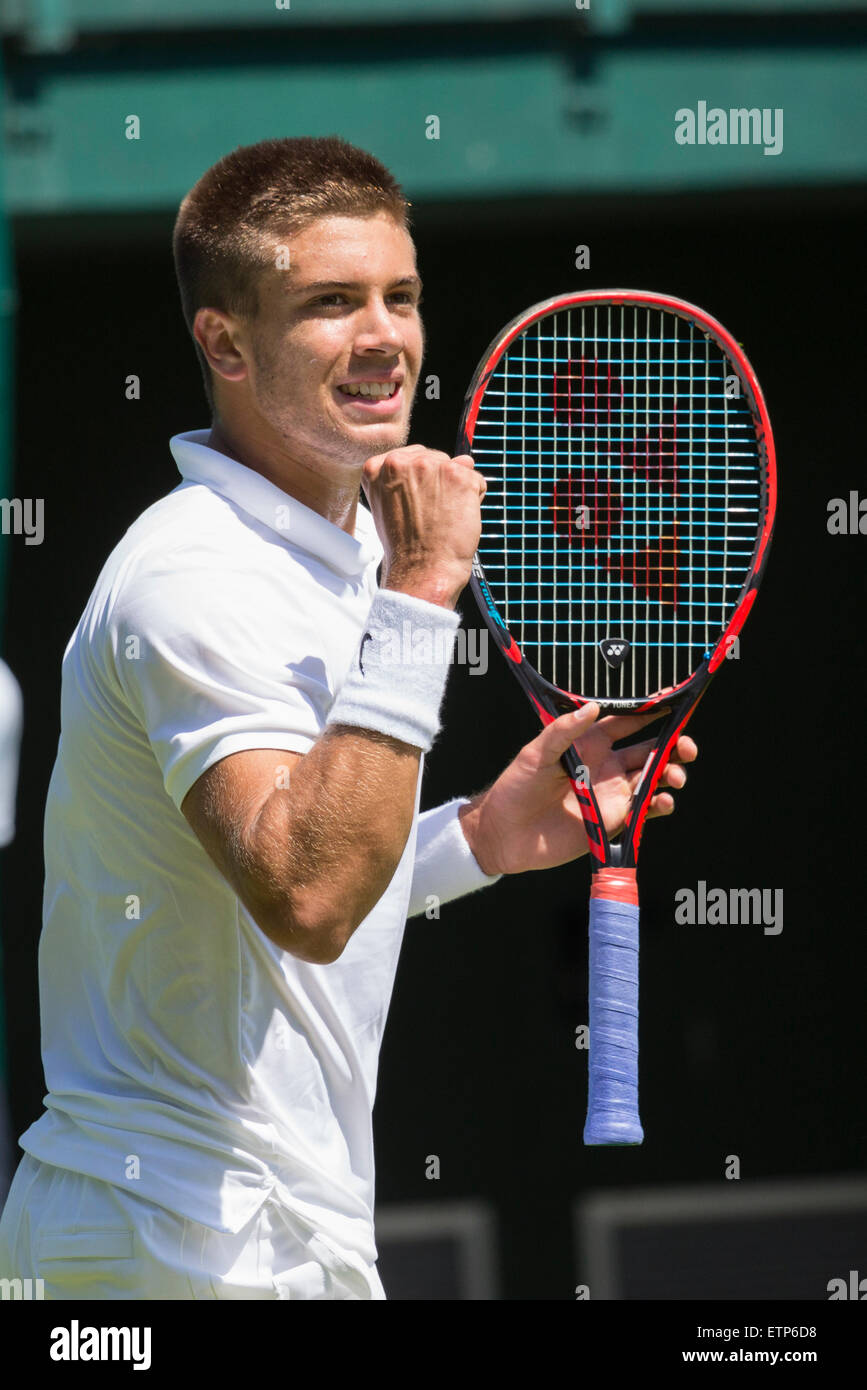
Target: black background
x=751 y=1044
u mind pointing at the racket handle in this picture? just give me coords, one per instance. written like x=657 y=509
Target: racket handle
x=612 y=1102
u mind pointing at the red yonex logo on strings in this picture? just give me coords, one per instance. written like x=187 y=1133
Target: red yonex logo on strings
x=590 y=510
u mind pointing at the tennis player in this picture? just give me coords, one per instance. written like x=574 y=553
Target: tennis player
x=233 y=841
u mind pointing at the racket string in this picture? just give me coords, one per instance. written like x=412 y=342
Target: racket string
x=624 y=496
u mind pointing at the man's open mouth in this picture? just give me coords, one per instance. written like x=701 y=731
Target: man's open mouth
x=377 y=390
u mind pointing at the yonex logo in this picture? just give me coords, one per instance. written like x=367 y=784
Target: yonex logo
x=614 y=651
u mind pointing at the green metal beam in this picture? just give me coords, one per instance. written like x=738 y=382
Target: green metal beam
x=83 y=16
x=575 y=116
x=65 y=18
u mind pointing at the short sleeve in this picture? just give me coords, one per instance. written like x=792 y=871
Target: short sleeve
x=214 y=662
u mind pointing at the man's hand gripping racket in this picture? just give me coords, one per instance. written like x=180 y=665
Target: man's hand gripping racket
x=631 y=493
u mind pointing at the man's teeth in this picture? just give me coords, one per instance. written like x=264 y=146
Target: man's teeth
x=370 y=388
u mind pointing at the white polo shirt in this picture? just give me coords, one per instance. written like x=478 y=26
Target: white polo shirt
x=187 y=1057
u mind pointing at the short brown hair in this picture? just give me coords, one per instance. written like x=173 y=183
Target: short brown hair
x=221 y=237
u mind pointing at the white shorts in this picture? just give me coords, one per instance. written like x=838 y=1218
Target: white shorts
x=88 y=1239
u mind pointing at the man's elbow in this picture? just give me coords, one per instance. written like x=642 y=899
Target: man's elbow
x=318 y=937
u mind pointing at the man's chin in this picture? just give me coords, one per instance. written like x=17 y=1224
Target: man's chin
x=376 y=438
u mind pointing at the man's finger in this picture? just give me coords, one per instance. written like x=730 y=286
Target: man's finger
x=684 y=751
x=635 y=756
x=618 y=726
x=556 y=738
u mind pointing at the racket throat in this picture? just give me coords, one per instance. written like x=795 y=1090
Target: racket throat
x=603 y=854
x=615 y=884
x=619 y=856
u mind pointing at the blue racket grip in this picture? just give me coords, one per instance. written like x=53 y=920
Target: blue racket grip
x=612 y=1101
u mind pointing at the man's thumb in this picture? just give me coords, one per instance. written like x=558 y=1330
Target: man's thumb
x=556 y=738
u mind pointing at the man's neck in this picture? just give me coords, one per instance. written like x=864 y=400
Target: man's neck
x=337 y=504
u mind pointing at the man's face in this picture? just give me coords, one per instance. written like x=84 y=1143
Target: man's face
x=335 y=351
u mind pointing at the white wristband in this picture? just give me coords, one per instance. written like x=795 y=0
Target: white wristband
x=445 y=866
x=397 y=679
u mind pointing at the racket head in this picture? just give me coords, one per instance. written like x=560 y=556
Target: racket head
x=631 y=496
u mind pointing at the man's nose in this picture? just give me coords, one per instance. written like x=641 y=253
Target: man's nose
x=378 y=329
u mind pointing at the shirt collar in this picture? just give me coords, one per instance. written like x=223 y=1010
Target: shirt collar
x=301 y=526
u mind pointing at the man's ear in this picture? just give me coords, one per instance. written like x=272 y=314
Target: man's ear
x=217 y=334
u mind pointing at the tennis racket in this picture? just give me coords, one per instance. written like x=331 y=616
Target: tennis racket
x=631 y=495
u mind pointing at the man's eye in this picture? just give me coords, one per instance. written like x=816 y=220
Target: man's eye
x=330 y=300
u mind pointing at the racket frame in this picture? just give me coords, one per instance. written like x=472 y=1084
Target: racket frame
x=549 y=700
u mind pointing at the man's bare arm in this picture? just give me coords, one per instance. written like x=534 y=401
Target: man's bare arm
x=310 y=859
x=309 y=855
